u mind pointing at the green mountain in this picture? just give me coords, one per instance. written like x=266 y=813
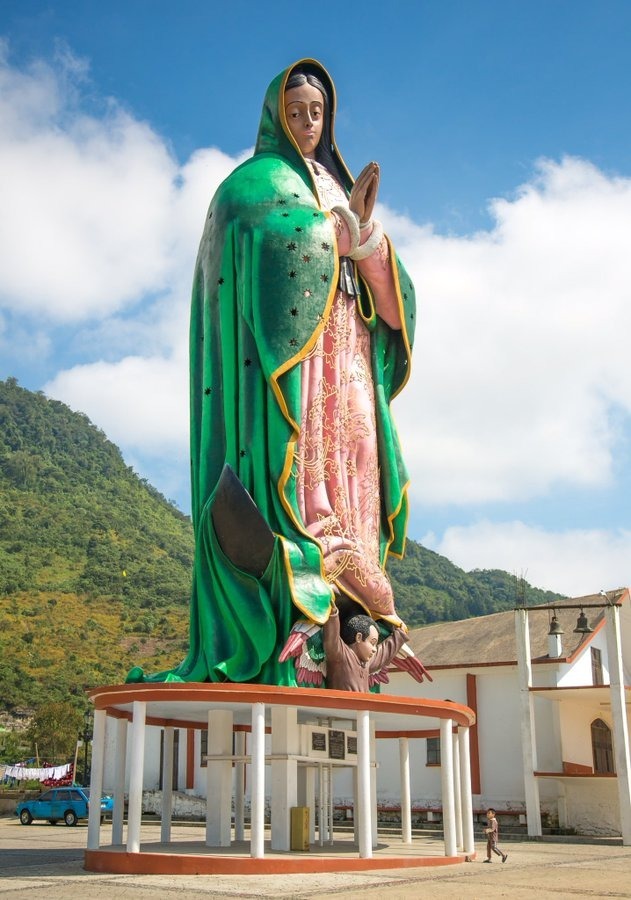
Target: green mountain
x=95 y=564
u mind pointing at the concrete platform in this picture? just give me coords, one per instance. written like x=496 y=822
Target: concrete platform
x=45 y=863
x=187 y=856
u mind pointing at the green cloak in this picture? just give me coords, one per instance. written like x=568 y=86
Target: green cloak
x=265 y=279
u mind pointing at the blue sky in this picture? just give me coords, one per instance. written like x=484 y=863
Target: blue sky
x=503 y=134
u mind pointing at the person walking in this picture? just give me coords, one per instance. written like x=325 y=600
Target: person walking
x=492 y=833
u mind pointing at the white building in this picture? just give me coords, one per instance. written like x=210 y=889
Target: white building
x=571 y=763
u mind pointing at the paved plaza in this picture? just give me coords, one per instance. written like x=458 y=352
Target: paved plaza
x=43 y=862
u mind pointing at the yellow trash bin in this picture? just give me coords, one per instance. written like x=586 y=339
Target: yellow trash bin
x=299 y=827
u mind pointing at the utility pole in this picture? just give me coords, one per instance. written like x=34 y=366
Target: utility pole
x=86 y=736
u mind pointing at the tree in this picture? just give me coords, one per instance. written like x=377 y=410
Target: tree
x=12 y=746
x=54 y=731
x=21 y=467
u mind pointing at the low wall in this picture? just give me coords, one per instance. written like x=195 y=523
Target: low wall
x=10 y=799
x=592 y=806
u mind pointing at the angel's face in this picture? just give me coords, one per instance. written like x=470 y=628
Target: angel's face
x=366 y=649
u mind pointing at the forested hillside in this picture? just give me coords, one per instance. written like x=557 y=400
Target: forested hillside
x=95 y=564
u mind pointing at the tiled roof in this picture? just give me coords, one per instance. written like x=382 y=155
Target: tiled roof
x=490 y=640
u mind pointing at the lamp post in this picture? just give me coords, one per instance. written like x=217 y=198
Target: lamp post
x=86 y=737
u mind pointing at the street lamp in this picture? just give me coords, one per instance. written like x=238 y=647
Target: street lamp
x=86 y=737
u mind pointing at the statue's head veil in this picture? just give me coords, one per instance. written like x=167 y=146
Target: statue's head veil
x=274 y=135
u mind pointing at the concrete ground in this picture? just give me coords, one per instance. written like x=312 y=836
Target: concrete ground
x=43 y=862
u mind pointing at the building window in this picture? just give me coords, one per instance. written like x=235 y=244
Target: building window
x=597 y=666
x=433 y=751
x=602 y=748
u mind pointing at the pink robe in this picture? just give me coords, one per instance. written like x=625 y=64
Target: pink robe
x=337 y=458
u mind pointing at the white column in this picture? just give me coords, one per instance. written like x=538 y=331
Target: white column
x=330 y=806
x=257 y=797
x=321 y=793
x=219 y=778
x=468 y=841
x=285 y=743
x=96 y=779
x=406 y=802
x=181 y=764
x=324 y=775
x=136 y=772
x=310 y=776
x=373 y=786
x=356 y=804
x=447 y=785
x=527 y=719
x=239 y=795
x=619 y=715
x=118 y=814
x=363 y=799
x=167 y=784
x=457 y=794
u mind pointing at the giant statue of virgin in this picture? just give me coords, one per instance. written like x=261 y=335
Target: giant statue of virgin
x=301 y=334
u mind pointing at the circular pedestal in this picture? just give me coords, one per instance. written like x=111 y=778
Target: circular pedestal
x=182 y=705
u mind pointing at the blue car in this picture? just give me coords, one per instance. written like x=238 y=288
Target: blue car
x=68 y=803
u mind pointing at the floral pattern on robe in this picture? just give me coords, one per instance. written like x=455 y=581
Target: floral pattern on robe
x=337 y=458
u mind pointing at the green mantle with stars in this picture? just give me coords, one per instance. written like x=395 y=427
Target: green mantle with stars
x=265 y=279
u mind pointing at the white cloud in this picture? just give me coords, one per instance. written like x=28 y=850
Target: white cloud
x=101 y=213
x=102 y=238
x=140 y=403
x=575 y=562
x=520 y=361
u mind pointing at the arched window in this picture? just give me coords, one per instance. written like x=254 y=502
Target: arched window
x=602 y=748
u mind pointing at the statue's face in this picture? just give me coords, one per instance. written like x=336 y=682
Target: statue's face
x=304 y=109
x=366 y=649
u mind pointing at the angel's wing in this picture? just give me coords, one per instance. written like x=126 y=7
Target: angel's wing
x=304 y=645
